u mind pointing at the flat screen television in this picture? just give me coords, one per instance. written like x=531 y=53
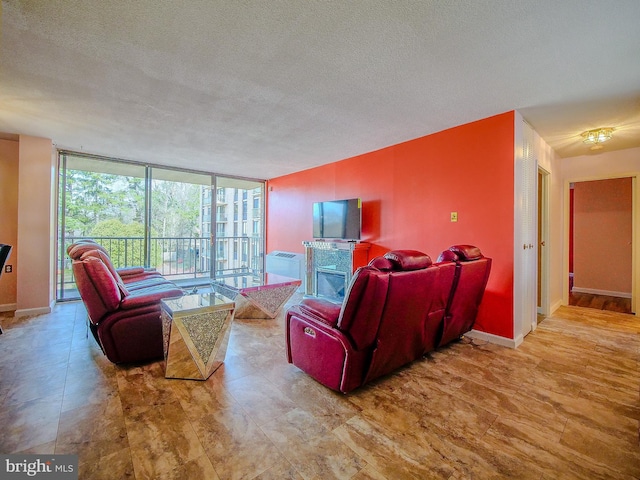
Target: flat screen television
x=337 y=219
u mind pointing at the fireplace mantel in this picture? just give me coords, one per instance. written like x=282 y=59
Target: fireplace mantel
x=327 y=257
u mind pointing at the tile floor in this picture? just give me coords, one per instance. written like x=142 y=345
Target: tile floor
x=565 y=404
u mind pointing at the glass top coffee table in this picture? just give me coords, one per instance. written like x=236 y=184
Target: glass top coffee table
x=259 y=296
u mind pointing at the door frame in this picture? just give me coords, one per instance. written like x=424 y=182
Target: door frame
x=635 y=234
x=543 y=237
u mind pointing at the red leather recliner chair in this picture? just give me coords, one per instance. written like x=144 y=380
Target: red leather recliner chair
x=472 y=274
x=124 y=318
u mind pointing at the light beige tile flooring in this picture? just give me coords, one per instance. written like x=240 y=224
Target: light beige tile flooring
x=565 y=404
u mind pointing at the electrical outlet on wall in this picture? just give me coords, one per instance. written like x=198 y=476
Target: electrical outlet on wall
x=8 y=268
x=454 y=216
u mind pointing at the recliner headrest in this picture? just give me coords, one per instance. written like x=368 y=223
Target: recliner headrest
x=79 y=242
x=447 y=256
x=382 y=263
x=76 y=250
x=466 y=252
x=409 y=259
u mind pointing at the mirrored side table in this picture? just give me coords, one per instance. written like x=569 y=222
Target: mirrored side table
x=195 y=332
x=259 y=296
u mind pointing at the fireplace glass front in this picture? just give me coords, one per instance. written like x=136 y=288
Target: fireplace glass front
x=331 y=284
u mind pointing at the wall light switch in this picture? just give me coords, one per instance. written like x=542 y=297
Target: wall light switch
x=454 y=216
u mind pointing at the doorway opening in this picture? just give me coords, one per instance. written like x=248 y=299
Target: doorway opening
x=601 y=244
x=543 y=240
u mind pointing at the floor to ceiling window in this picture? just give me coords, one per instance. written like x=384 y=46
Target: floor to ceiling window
x=180 y=217
x=190 y=226
x=103 y=200
x=239 y=220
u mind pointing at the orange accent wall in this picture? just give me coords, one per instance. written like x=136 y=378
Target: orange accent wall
x=409 y=191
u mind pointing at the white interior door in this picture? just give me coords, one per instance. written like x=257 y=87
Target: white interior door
x=525 y=235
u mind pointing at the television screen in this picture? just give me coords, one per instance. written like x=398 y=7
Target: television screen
x=337 y=219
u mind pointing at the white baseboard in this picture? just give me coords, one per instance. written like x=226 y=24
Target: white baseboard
x=8 y=307
x=556 y=306
x=595 y=291
x=26 y=312
x=489 y=337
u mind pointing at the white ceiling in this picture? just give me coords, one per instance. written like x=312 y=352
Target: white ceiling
x=262 y=88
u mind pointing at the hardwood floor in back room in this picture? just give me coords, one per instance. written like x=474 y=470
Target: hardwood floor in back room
x=564 y=404
x=600 y=302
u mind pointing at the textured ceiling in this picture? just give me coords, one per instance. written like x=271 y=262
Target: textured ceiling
x=265 y=88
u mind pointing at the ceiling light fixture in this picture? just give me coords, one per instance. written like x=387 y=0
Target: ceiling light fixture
x=599 y=135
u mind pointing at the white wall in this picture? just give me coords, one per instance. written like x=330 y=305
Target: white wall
x=549 y=161
x=603 y=165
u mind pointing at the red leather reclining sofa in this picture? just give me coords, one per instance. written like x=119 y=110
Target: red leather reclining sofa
x=396 y=309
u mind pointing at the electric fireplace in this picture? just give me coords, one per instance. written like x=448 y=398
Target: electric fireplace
x=331 y=284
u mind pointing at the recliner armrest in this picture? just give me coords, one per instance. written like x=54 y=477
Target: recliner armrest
x=150 y=295
x=323 y=310
x=124 y=271
x=127 y=271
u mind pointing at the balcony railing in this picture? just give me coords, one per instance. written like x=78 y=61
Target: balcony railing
x=185 y=260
